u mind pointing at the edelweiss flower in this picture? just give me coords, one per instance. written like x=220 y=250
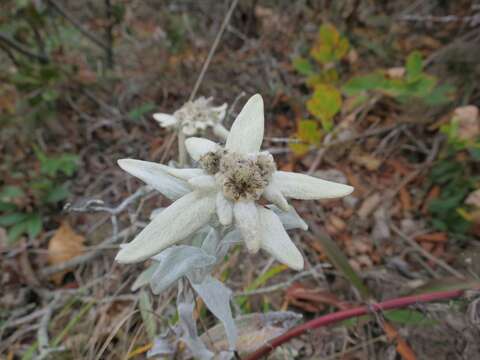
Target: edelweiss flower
x=195 y=117
x=229 y=183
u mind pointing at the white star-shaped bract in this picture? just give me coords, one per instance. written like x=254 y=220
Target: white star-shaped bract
x=228 y=185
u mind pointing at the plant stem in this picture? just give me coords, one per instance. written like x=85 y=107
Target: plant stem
x=182 y=151
x=350 y=313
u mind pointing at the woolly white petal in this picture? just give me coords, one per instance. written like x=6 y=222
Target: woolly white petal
x=304 y=187
x=224 y=209
x=185 y=174
x=275 y=240
x=165 y=120
x=246 y=134
x=220 y=131
x=178 y=221
x=247 y=221
x=157 y=176
x=204 y=182
x=221 y=111
x=197 y=147
x=272 y=194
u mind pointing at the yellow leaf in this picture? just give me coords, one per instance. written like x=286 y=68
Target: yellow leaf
x=325 y=102
x=329 y=46
x=64 y=245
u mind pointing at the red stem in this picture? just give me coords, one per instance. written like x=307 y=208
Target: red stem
x=347 y=314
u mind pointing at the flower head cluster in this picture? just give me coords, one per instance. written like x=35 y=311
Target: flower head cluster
x=195 y=117
x=231 y=184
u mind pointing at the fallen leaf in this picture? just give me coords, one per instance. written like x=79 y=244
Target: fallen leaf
x=468 y=122
x=474 y=199
x=368 y=161
x=64 y=245
x=369 y=205
x=396 y=72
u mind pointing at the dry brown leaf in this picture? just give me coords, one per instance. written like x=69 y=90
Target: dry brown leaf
x=64 y=245
x=396 y=72
x=367 y=161
x=468 y=122
x=369 y=205
x=474 y=199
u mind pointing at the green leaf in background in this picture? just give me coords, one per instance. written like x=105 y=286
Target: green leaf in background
x=440 y=95
x=10 y=193
x=146 y=310
x=303 y=66
x=12 y=219
x=7 y=207
x=138 y=112
x=57 y=193
x=398 y=316
x=363 y=83
x=413 y=66
x=34 y=225
x=325 y=103
x=16 y=231
x=309 y=132
x=54 y=165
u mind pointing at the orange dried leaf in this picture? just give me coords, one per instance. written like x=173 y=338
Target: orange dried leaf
x=64 y=245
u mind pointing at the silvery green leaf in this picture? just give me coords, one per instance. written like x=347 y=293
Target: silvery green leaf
x=233 y=237
x=216 y=297
x=161 y=347
x=176 y=262
x=290 y=219
x=210 y=242
x=185 y=306
x=146 y=310
x=145 y=276
x=198 y=238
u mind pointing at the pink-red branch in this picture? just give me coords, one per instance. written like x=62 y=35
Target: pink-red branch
x=350 y=313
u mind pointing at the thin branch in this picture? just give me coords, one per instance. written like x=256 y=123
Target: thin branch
x=70 y=18
x=352 y=313
x=226 y=20
x=426 y=254
x=23 y=50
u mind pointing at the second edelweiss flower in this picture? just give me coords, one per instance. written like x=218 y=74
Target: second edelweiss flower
x=195 y=117
x=229 y=183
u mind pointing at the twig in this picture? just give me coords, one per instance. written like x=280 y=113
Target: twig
x=351 y=313
x=70 y=18
x=22 y=50
x=109 y=34
x=226 y=20
x=42 y=332
x=426 y=254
